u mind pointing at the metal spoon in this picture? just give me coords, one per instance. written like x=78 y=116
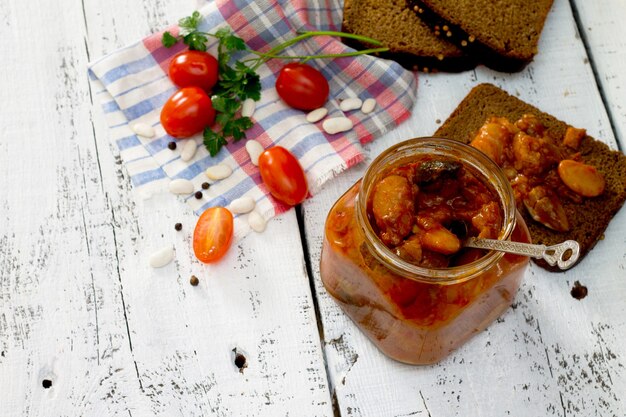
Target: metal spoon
x=553 y=255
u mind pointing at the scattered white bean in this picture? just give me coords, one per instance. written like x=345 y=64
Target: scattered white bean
x=255 y=149
x=242 y=205
x=256 y=222
x=350 y=104
x=162 y=257
x=368 y=106
x=247 y=107
x=143 y=129
x=337 y=125
x=218 y=172
x=181 y=186
x=189 y=150
x=316 y=115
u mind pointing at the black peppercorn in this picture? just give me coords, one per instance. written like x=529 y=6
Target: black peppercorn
x=579 y=291
x=178 y=227
x=198 y=195
x=194 y=280
x=240 y=361
x=171 y=145
x=205 y=185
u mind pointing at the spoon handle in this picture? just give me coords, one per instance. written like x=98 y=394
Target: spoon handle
x=564 y=254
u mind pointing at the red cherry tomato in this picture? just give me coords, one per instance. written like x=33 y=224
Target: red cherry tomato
x=213 y=234
x=194 y=69
x=302 y=86
x=283 y=175
x=187 y=112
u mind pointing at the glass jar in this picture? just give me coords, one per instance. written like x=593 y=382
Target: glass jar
x=438 y=309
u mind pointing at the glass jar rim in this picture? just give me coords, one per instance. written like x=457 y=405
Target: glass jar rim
x=479 y=162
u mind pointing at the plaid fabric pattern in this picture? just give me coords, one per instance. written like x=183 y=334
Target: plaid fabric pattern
x=133 y=86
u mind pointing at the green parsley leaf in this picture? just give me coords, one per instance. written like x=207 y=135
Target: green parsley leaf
x=233 y=43
x=213 y=141
x=168 y=40
x=238 y=127
x=228 y=43
x=222 y=32
x=229 y=40
x=196 y=41
x=223 y=59
x=229 y=75
x=225 y=105
x=190 y=23
x=251 y=86
x=222 y=118
x=219 y=104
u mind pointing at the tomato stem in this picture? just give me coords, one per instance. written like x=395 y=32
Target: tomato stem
x=305 y=35
x=308 y=57
x=343 y=35
x=273 y=53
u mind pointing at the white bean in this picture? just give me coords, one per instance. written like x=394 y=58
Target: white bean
x=162 y=257
x=316 y=115
x=256 y=222
x=337 y=125
x=350 y=104
x=143 y=129
x=189 y=150
x=181 y=186
x=255 y=149
x=242 y=205
x=368 y=106
x=218 y=172
x=247 y=107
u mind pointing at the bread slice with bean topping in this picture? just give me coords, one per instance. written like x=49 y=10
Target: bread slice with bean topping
x=410 y=41
x=502 y=34
x=588 y=219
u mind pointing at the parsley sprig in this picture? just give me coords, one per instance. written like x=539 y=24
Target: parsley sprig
x=239 y=81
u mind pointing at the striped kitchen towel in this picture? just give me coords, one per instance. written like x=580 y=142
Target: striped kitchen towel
x=133 y=85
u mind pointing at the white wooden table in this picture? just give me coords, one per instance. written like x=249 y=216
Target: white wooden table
x=87 y=329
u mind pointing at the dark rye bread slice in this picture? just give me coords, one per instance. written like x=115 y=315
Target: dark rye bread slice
x=410 y=41
x=589 y=219
x=502 y=34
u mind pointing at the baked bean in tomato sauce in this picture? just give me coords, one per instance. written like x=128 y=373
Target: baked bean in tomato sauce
x=543 y=170
x=424 y=209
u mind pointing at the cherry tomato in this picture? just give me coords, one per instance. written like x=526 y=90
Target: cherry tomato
x=302 y=86
x=213 y=234
x=187 y=112
x=194 y=69
x=283 y=175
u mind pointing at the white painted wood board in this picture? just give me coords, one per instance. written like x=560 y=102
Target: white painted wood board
x=79 y=305
x=72 y=263
x=602 y=27
x=551 y=355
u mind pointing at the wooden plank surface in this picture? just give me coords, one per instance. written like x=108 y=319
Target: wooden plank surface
x=79 y=307
x=551 y=355
x=602 y=27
